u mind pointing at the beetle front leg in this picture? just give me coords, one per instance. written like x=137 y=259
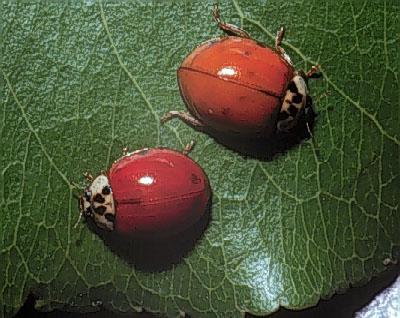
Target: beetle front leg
x=228 y=28
x=278 y=40
x=188 y=148
x=185 y=117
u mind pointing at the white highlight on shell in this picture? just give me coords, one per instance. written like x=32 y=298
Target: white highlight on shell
x=227 y=71
x=146 y=180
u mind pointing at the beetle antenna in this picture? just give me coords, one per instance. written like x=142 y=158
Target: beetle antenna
x=79 y=220
x=88 y=176
x=313 y=73
x=309 y=130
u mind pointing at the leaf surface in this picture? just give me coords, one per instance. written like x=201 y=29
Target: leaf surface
x=80 y=81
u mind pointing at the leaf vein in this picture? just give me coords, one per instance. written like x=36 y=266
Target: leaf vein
x=128 y=73
x=31 y=128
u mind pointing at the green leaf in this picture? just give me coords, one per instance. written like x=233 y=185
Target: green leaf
x=81 y=80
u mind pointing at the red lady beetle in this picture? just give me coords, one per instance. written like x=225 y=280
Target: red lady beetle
x=235 y=84
x=148 y=193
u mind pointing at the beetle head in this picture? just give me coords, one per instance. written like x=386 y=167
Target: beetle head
x=294 y=104
x=97 y=203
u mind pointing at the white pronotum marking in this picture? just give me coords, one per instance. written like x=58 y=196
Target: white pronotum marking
x=95 y=189
x=289 y=122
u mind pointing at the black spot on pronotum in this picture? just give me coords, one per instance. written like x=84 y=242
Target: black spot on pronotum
x=87 y=195
x=292 y=87
x=283 y=116
x=99 y=198
x=106 y=190
x=110 y=217
x=297 y=98
x=88 y=212
x=100 y=209
x=293 y=110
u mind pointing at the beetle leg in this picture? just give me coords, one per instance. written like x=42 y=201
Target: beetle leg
x=309 y=130
x=310 y=115
x=185 y=117
x=188 y=148
x=228 y=28
x=278 y=40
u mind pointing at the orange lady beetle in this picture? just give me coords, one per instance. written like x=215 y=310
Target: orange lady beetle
x=237 y=85
x=148 y=193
